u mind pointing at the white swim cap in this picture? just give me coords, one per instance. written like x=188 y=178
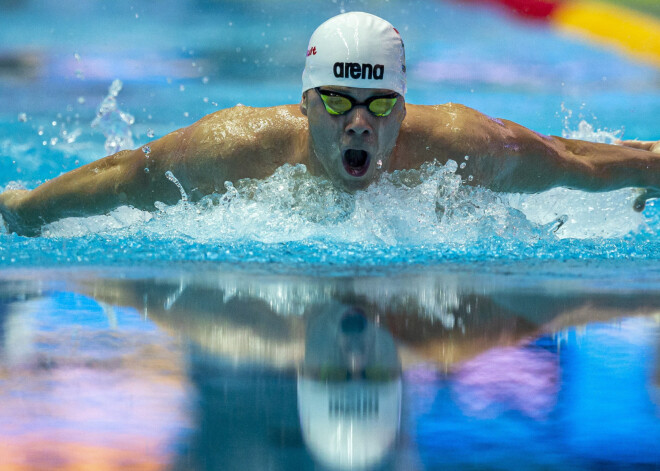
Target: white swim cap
x=350 y=425
x=358 y=50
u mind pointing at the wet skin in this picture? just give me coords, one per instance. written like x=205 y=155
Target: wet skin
x=244 y=142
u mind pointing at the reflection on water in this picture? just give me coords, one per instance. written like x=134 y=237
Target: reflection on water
x=349 y=389
x=216 y=370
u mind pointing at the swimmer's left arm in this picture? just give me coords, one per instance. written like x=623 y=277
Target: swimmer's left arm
x=509 y=157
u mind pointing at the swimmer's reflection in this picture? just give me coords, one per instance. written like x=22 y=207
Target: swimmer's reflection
x=349 y=390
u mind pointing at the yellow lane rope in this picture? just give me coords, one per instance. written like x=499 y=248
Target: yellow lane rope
x=624 y=29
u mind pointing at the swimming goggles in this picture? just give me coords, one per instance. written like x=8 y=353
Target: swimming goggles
x=338 y=104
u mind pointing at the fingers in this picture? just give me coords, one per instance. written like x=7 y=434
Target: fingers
x=640 y=202
x=9 y=201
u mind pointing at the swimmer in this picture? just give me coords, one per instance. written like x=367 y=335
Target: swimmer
x=352 y=123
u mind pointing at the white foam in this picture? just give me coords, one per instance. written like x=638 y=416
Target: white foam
x=414 y=207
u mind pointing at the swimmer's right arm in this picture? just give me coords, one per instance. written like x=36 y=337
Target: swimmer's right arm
x=95 y=188
x=228 y=145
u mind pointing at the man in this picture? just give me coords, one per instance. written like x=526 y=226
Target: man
x=351 y=124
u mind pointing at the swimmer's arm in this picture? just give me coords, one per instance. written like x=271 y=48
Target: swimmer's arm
x=509 y=157
x=97 y=187
x=228 y=145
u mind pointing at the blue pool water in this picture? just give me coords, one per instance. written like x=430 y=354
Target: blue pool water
x=490 y=331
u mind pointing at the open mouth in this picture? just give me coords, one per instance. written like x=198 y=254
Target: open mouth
x=356 y=162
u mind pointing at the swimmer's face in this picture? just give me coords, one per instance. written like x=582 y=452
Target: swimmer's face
x=354 y=147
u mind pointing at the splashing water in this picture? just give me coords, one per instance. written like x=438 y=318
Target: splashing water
x=426 y=216
x=413 y=213
x=586 y=132
x=113 y=122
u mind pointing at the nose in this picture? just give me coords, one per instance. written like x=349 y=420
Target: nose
x=359 y=122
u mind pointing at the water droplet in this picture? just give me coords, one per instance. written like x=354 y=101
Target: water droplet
x=170 y=176
x=470 y=178
x=81 y=99
x=115 y=87
x=150 y=132
x=22 y=117
x=146 y=150
x=146 y=169
x=53 y=141
x=72 y=136
x=182 y=88
x=379 y=164
x=54 y=123
x=463 y=165
x=205 y=80
x=77 y=57
x=186 y=114
x=467 y=157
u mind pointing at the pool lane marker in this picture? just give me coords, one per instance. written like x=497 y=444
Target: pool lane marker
x=622 y=28
x=627 y=30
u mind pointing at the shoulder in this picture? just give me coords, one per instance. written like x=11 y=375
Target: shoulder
x=437 y=132
x=243 y=129
x=244 y=123
x=454 y=128
x=448 y=117
x=243 y=142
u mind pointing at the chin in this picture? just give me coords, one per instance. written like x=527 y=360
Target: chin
x=351 y=183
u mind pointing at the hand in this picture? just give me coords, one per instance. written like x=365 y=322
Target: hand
x=9 y=203
x=649 y=193
x=643 y=197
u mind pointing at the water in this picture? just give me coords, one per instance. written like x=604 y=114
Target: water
x=193 y=336
x=208 y=369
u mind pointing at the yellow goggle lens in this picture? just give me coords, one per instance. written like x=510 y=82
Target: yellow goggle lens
x=336 y=104
x=382 y=106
